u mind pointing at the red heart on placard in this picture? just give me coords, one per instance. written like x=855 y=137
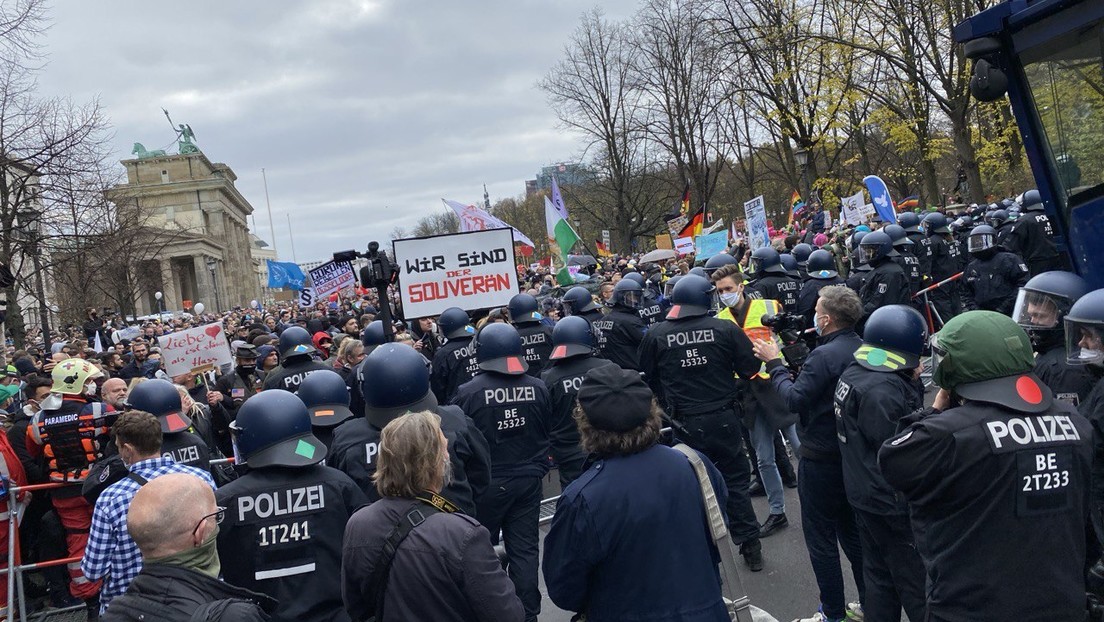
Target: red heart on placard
x=212 y=331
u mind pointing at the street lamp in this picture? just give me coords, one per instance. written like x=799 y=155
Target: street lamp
x=801 y=157
x=212 y=264
x=29 y=221
x=160 y=304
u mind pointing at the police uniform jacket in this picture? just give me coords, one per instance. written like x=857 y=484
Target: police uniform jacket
x=691 y=364
x=355 y=451
x=652 y=501
x=991 y=284
x=886 y=284
x=186 y=448
x=857 y=278
x=1092 y=408
x=911 y=265
x=563 y=380
x=622 y=331
x=1070 y=383
x=778 y=287
x=289 y=375
x=536 y=339
x=1003 y=231
x=946 y=258
x=999 y=498
x=868 y=407
x=650 y=311
x=453 y=365
x=810 y=393
x=352 y=381
x=1032 y=237
x=168 y=593
x=281 y=536
x=922 y=251
x=514 y=413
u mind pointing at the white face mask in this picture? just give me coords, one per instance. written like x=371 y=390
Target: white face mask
x=817 y=325
x=731 y=299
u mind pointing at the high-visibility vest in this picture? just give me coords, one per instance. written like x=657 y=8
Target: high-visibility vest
x=69 y=437
x=753 y=323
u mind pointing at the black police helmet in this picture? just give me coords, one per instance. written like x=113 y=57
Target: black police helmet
x=635 y=277
x=765 y=260
x=572 y=336
x=1031 y=200
x=717 y=261
x=1043 y=303
x=395 y=381
x=982 y=238
x=789 y=263
x=295 y=341
x=627 y=293
x=326 y=397
x=875 y=246
x=821 y=265
x=523 y=309
x=273 y=428
x=893 y=339
x=669 y=286
x=699 y=271
x=373 y=334
x=856 y=239
x=160 y=398
x=578 y=300
x=910 y=221
x=498 y=348
x=455 y=323
x=998 y=218
x=898 y=235
x=692 y=296
x=801 y=253
x=936 y=223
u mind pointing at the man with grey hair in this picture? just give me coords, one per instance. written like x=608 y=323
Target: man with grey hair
x=174 y=521
x=826 y=517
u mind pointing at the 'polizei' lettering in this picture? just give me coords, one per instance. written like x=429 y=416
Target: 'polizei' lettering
x=282 y=502
x=572 y=385
x=691 y=337
x=534 y=339
x=1032 y=430
x=509 y=395
x=467 y=351
x=184 y=455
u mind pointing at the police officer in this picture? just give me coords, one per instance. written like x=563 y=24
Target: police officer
x=183 y=439
x=296 y=362
x=691 y=361
x=649 y=308
x=1013 y=462
x=946 y=261
x=282 y=530
x=1032 y=236
x=622 y=329
x=771 y=281
x=821 y=269
x=578 y=301
x=231 y=391
x=1041 y=307
x=859 y=271
x=1084 y=337
x=887 y=283
x=572 y=357
x=397 y=382
x=801 y=253
x=514 y=412
x=994 y=276
x=536 y=336
x=879 y=388
x=905 y=258
x=789 y=264
x=327 y=400
x=372 y=337
x=910 y=222
x=454 y=363
x=1000 y=221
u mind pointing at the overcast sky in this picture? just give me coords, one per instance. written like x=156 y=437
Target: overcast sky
x=364 y=113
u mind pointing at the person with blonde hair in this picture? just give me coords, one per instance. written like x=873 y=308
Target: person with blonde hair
x=442 y=566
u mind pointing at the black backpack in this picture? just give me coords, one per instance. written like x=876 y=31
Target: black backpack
x=103 y=473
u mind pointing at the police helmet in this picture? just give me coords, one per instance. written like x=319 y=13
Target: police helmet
x=395 y=381
x=997 y=218
x=982 y=238
x=966 y=222
x=856 y=239
x=801 y=253
x=373 y=334
x=498 y=348
x=898 y=235
x=1031 y=200
x=910 y=221
x=523 y=309
x=935 y=223
x=627 y=293
x=1085 y=329
x=635 y=277
x=692 y=296
x=789 y=264
x=159 y=398
x=669 y=286
x=295 y=341
x=572 y=336
x=822 y=265
x=765 y=260
x=1043 y=303
x=893 y=339
x=875 y=245
x=455 y=323
x=273 y=428
x=326 y=396
x=578 y=300
x=716 y=261
x=699 y=271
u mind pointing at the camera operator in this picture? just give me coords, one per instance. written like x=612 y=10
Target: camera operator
x=826 y=517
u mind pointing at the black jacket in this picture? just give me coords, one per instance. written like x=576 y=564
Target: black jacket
x=172 y=594
x=282 y=536
x=290 y=374
x=563 y=379
x=946 y=258
x=991 y=284
x=807 y=297
x=857 y=278
x=911 y=265
x=922 y=251
x=536 y=338
x=810 y=394
x=622 y=331
x=514 y=413
x=1070 y=383
x=453 y=365
x=886 y=284
x=1032 y=237
x=778 y=287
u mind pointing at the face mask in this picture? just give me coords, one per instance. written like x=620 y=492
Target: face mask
x=731 y=299
x=203 y=558
x=90 y=389
x=817 y=325
x=248 y=367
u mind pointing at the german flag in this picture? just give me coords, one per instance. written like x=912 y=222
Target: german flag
x=603 y=251
x=685 y=210
x=694 y=227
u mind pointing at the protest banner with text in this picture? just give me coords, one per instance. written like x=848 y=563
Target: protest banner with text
x=197 y=349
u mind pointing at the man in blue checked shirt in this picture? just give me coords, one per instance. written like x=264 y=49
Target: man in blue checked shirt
x=111 y=553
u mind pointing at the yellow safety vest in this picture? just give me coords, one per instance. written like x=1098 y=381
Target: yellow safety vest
x=753 y=324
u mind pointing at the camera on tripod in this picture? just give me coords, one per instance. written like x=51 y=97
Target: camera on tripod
x=379 y=273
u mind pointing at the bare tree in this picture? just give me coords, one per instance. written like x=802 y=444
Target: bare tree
x=437 y=223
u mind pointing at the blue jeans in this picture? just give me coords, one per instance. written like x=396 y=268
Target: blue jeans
x=827 y=519
x=762 y=437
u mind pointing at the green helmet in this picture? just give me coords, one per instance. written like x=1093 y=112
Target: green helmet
x=987 y=357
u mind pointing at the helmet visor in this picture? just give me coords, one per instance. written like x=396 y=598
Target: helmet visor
x=1036 y=310
x=867 y=252
x=938 y=354
x=669 y=288
x=1084 y=342
x=754 y=265
x=980 y=242
x=630 y=299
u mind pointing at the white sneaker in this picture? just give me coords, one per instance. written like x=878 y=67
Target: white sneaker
x=816 y=617
x=854 y=612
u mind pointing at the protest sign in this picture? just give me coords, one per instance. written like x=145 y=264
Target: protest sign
x=684 y=246
x=868 y=211
x=755 y=211
x=663 y=240
x=711 y=244
x=197 y=349
x=306 y=297
x=472 y=270
x=331 y=277
x=851 y=210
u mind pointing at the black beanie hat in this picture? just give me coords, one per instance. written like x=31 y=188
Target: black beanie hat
x=615 y=399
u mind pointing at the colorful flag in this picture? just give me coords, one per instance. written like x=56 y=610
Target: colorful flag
x=797 y=206
x=561 y=237
x=685 y=207
x=474 y=219
x=557 y=199
x=909 y=203
x=603 y=250
x=694 y=227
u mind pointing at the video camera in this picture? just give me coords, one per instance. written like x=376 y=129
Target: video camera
x=789 y=328
x=379 y=273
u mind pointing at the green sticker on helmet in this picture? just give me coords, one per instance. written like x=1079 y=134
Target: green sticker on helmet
x=305 y=449
x=877 y=356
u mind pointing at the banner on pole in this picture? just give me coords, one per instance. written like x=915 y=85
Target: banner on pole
x=473 y=270
x=684 y=246
x=197 y=349
x=332 y=276
x=755 y=211
x=851 y=210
